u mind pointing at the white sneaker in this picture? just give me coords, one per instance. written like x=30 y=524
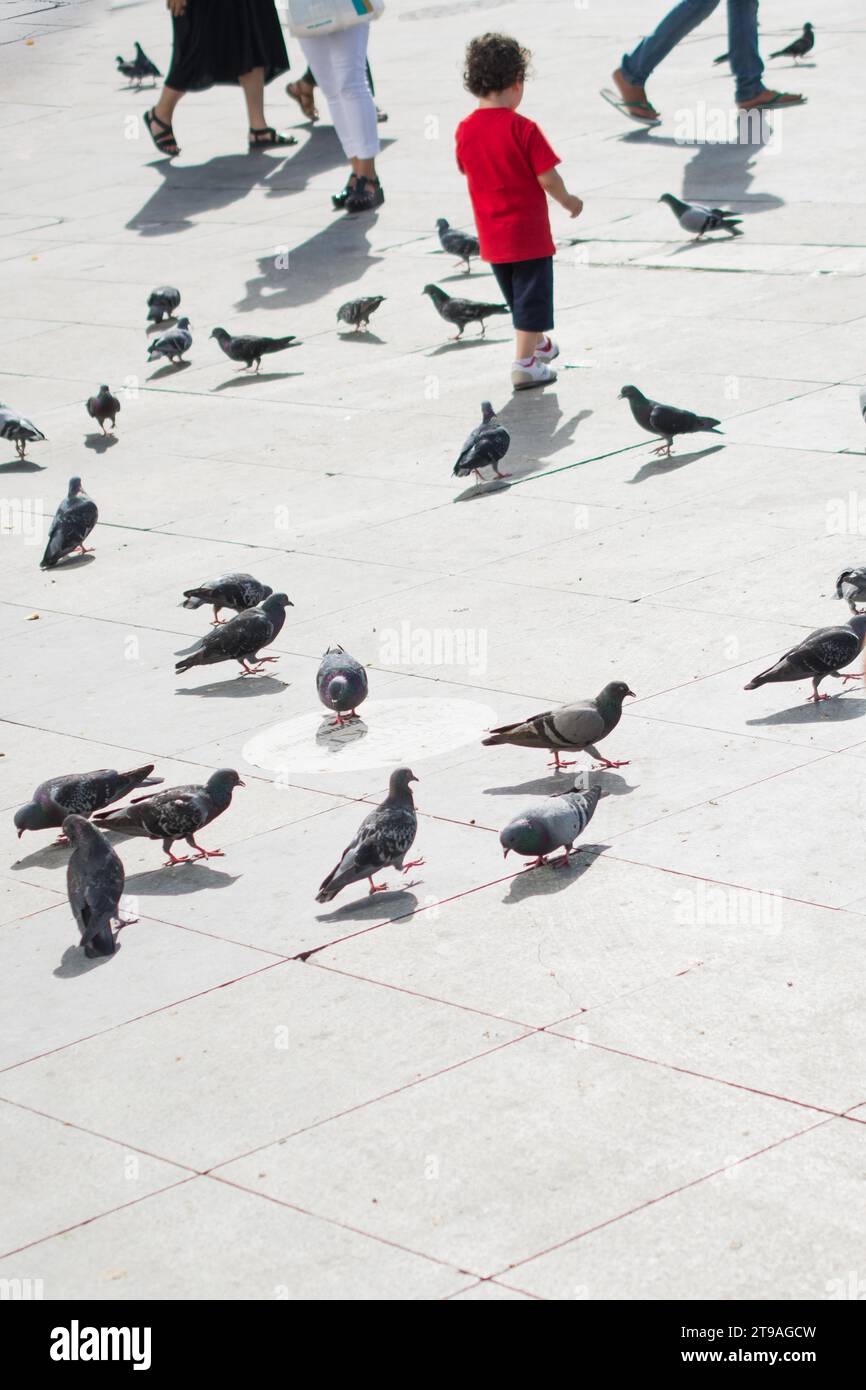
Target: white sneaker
x=536 y=374
x=547 y=354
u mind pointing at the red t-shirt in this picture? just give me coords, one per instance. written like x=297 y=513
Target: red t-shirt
x=502 y=154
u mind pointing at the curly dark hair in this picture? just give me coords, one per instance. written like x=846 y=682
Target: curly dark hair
x=494 y=62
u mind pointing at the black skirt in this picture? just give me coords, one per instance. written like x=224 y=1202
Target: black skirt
x=215 y=41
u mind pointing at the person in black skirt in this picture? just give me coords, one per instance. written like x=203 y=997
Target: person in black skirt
x=225 y=42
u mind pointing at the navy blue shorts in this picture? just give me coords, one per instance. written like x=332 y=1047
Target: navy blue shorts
x=528 y=290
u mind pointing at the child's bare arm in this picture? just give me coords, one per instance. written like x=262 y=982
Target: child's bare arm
x=553 y=186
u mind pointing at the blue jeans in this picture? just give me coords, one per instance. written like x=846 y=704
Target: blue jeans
x=742 y=43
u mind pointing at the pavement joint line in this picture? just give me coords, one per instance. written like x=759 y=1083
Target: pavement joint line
x=99 y=1216
x=432 y=998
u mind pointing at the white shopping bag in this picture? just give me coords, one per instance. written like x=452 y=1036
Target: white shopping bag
x=309 y=18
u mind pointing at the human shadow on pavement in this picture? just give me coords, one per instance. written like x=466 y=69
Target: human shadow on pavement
x=717 y=171
x=237 y=688
x=539 y=430
x=653 y=467
x=834 y=710
x=339 y=254
x=553 y=877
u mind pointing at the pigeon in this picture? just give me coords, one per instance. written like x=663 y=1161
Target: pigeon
x=73 y=522
x=697 y=218
x=462 y=311
x=851 y=586
x=250 y=349
x=176 y=814
x=172 y=344
x=457 y=243
x=357 y=312
x=548 y=825
x=94 y=882
x=237 y=591
x=576 y=728
x=383 y=840
x=341 y=682
x=862 y=404
x=666 y=420
x=240 y=638
x=485 y=446
x=138 y=67
x=818 y=655
x=800 y=46
x=103 y=406
x=79 y=793
x=161 y=303
x=18 y=428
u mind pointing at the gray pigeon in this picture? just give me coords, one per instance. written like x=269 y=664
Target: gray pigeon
x=18 y=428
x=666 y=420
x=176 y=814
x=818 y=655
x=457 y=243
x=549 y=825
x=695 y=217
x=460 y=312
x=851 y=586
x=103 y=406
x=73 y=522
x=94 y=882
x=799 y=47
x=383 y=840
x=249 y=349
x=575 y=728
x=357 y=312
x=171 y=344
x=240 y=638
x=863 y=403
x=485 y=446
x=341 y=682
x=162 y=302
x=237 y=591
x=79 y=793
x=139 y=67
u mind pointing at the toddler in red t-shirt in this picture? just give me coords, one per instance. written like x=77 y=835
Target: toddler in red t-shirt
x=511 y=170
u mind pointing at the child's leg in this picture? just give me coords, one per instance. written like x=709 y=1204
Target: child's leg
x=533 y=316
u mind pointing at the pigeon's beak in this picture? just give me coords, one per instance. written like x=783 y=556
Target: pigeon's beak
x=620 y=396
x=414 y=779
x=20 y=833
x=240 y=783
x=505 y=854
x=632 y=694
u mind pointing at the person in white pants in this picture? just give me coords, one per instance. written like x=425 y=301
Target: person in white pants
x=339 y=64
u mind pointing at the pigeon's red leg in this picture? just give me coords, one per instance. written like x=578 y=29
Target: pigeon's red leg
x=558 y=763
x=606 y=762
x=250 y=670
x=175 y=859
x=217 y=620
x=857 y=677
x=62 y=840
x=539 y=863
x=260 y=659
x=205 y=853
x=558 y=863
x=663 y=449
x=85 y=549
x=413 y=864
x=377 y=887
x=500 y=475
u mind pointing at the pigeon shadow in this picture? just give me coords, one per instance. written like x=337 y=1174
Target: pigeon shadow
x=240 y=688
x=484 y=488
x=365 y=336
x=163 y=327
x=52 y=856
x=653 y=467
x=552 y=877
x=611 y=783
x=18 y=465
x=74 y=962
x=539 y=429
x=455 y=344
x=99 y=442
x=170 y=369
x=73 y=562
x=835 y=710
x=241 y=379
x=371 y=906
x=182 y=878
x=793 y=67
x=336 y=736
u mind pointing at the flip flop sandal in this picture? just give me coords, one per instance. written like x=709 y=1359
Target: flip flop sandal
x=268 y=139
x=164 y=137
x=304 y=98
x=779 y=102
x=629 y=108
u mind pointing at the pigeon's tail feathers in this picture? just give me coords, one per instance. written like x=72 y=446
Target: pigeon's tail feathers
x=194 y=659
x=760 y=679
x=330 y=886
x=140 y=776
x=706 y=422
x=279 y=343
x=193 y=600
x=100 y=941
x=504 y=734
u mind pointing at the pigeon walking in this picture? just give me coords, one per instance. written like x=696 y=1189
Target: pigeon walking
x=103 y=406
x=485 y=447
x=666 y=420
x=249 y=349
x=575 y=728
x=94 y=882
x=341 y=682
x=549 y=825
x=176 y=814
x=383 y=840
x=457 y=243
x=818 y=655
x=851 y=586
x=162 y=302
x=237 y=591
x=460 y=312
x=73 y=522
x=19 y=429
x=357 y=312
x=79 y=793
x=697 y=218
x=240 y=638
x=799 y=47
x=139 y=67
x=171 y=344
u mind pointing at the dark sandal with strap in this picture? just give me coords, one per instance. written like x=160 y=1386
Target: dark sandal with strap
x=268 y=139
x=164 y=138
x=340 y=199
x=366 y=195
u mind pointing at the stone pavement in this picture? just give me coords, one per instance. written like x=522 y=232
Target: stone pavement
x=640 y=1076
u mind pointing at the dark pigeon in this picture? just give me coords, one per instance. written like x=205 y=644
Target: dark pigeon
x=457 y=243
x=162 y=302
x=73 y=522
x=171 y=344
x=800 y=46
x=176 y=814
x=249 y=349
x=575 y=728
x=237 y=591
x=549 y=825
x=666 y=420
x=240 y=638
x=94 y=882
x=700 y=219
x=139 y=67
x=19 y=429
x=460 y=312
x=341 y=682
x=818 y=655
x=383 y=840
x=103 y=406
x=357 y=312
x=851 y=586
x=485 y=447
x=79 y=793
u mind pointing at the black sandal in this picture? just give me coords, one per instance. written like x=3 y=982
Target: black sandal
x=268 y=139
x=340 y=199
x=366 y=195
x=164 y=139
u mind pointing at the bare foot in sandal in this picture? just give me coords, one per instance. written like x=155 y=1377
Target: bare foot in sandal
x=634 y=98
x=772 y=101
x=161 y=134
x=302 y=93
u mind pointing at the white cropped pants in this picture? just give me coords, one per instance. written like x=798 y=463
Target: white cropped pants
x=338 y=62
